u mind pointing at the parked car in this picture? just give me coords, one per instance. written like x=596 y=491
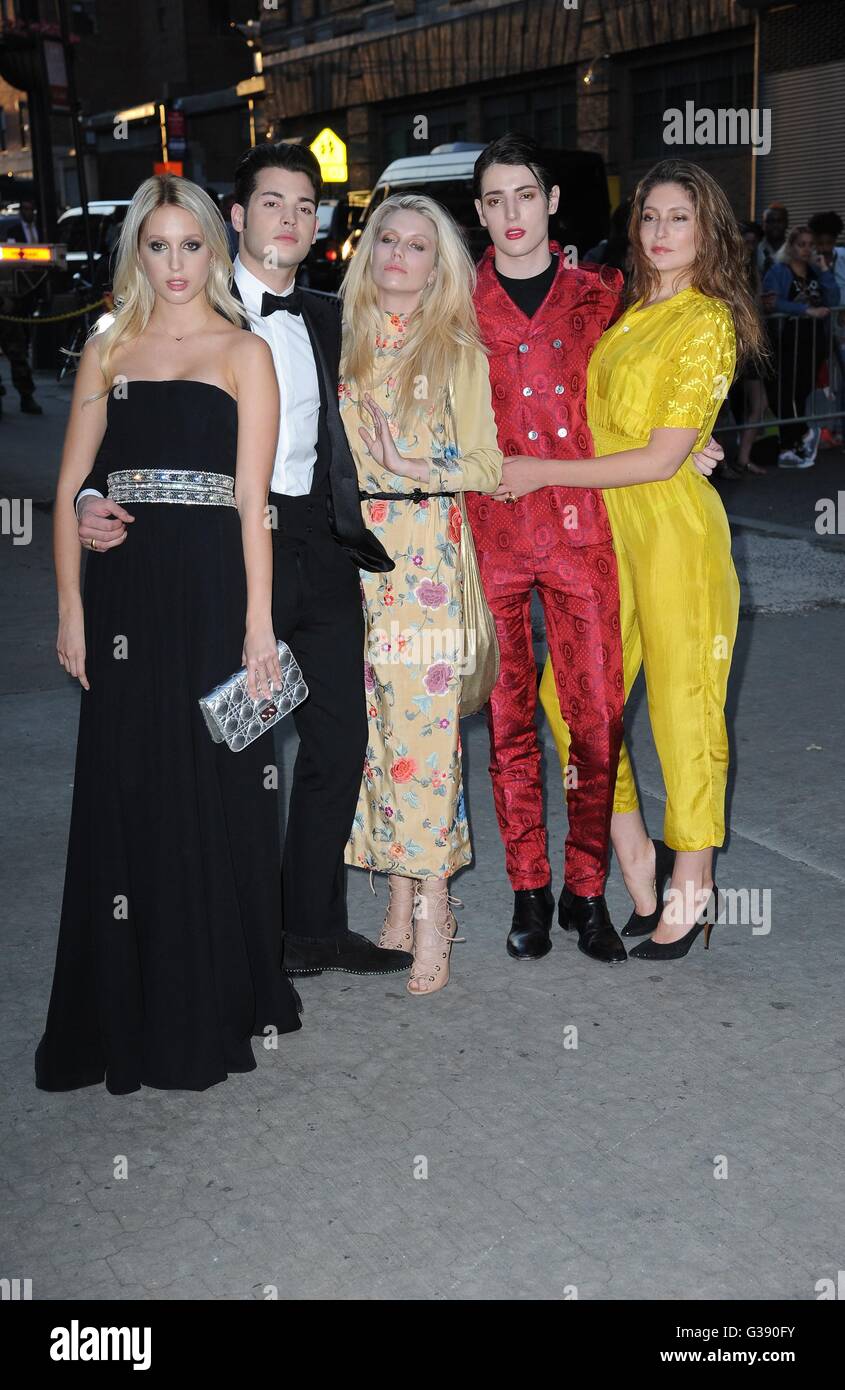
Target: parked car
x=105 y=216
x=446 y=175
x=323 y=267
x=9 y=225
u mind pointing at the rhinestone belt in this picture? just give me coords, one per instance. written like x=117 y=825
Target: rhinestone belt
x=172 y=485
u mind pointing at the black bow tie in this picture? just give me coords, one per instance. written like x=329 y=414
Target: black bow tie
x=291 y=302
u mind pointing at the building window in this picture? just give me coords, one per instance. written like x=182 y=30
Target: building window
x=83 y=17
x=713 y=81
x=219 y=17
x=546 y=113
x=445 y=124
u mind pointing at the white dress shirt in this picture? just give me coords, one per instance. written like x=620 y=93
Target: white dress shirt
x=299 y=389
x=296 y=372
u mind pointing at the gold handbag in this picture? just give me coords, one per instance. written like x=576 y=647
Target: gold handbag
x=481 y=662
x=481 y=655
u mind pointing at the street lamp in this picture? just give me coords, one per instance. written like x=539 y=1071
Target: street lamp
x=590 y=75
x=250 y=32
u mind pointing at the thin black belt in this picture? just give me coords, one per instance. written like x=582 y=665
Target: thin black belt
x=417 y=495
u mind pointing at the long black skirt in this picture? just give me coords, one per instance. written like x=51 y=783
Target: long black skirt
x=170 y=948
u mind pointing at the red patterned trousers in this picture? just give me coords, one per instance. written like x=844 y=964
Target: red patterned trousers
x=524 y=546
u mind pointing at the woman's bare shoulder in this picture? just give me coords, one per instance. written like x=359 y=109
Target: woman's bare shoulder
x=249 y=362
x=246 y=350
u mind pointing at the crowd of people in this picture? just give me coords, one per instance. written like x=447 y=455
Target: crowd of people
x=362 y=484
x=797 y=278
x=797 y=275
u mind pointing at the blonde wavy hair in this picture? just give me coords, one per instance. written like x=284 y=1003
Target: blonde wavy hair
x=718 y=269
x=443 y=323
x=784 y=255
x=134 y=296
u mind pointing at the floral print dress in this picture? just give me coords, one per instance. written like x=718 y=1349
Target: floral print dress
x=410 y=817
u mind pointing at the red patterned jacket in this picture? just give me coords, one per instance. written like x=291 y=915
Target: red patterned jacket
x=538 y=373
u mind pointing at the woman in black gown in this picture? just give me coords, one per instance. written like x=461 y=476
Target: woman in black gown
x=169 y=955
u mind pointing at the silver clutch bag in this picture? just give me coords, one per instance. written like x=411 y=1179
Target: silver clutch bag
x=233 y=717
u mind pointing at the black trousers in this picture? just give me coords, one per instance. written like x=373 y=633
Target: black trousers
x=317 y=610
x=13 y=344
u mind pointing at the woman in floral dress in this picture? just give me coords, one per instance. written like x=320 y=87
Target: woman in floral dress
x=415 y=401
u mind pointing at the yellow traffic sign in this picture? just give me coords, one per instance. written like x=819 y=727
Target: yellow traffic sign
x=331 y=156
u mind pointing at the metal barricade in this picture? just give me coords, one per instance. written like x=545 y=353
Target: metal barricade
x=800 y=347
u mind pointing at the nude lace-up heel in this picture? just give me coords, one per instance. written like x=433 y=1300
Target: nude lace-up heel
x=434 y=931
x=397 y=932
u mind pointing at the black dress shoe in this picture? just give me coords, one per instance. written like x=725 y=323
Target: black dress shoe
x=674 y=950
x=351 y=954
x=30 y=406
x=530 y=936
x=639 y=924
x=597 y=936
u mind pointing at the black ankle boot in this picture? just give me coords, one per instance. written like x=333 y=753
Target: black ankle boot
x=530 y=936
x=597 y=936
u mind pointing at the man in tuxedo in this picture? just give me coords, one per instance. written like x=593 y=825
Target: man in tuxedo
x=319 y=544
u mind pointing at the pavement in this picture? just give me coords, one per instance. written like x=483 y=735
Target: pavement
x=549 y=1130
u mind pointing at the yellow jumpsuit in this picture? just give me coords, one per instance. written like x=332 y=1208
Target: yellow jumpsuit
x=668 y=366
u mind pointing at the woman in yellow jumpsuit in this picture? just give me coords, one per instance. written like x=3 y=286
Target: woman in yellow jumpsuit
x=654 y=386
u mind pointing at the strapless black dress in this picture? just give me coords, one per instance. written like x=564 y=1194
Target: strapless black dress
x=170 y=948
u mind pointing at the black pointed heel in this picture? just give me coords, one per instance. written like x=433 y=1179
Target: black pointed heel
x=664 y=863
x=674 y=950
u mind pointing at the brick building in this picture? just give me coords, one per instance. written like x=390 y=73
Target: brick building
x=802 y=82
x=594 y=75
x=590 y=74
x=187 y=60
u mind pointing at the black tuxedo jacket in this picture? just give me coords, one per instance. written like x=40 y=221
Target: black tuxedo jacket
x=322 y=316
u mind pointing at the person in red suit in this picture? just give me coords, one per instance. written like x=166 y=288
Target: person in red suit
x=540 y=317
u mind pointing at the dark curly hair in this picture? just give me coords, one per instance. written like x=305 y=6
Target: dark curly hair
x=826 y=224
